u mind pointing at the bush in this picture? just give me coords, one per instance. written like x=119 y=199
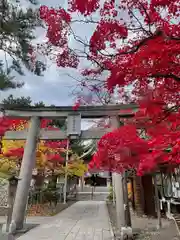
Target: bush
x=110 y=196
x=44 y=196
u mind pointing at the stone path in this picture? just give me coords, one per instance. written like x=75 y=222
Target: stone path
x=98 y=189
x=84 y=220
x=99 y=194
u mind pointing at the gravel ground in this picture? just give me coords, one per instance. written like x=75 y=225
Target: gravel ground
x=145 y=228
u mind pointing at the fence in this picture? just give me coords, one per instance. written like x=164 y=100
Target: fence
x=49 y=201
x=44 y=200
x=45 y=196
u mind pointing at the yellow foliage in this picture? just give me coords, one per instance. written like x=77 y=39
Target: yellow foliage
x=75 y=167
x=41 y=158
x=7 y=145
x=7 y=166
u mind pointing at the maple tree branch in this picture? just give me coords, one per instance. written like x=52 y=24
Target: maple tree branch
x=141 y=25
x=171 y=75
x=141 y=43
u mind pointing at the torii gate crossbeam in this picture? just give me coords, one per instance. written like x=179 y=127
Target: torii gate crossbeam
x=63 y=112
x=56 y=135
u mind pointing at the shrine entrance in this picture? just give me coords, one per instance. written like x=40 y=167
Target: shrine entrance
x=34 y=114
x=100 y=181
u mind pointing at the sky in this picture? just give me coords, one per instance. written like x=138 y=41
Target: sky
x=55 y=86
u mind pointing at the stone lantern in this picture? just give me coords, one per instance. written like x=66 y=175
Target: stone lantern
x=13 y=182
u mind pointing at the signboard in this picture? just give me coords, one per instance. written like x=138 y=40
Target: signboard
x=74 y=125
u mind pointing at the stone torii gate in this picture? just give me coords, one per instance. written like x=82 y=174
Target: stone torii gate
x=73 y=131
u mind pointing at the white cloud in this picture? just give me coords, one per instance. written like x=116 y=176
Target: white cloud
x=55 y=87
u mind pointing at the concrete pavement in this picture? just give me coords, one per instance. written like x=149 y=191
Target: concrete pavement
x=99 y=193
x=84 y=220
x=30 y=219
x=88 y=189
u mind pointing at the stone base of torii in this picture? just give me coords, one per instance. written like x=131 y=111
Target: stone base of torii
x=74 y=130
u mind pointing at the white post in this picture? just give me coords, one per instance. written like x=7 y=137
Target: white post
x=66 y=173
x=27 y=165
x=169 y=209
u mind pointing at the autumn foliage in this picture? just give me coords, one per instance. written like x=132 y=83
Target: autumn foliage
x=135 y=44
x=138 y=43
x=50 y=155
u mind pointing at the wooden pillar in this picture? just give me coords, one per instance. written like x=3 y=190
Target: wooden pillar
x=138 y=195
x=149 y=202
x=157 y=203
x=126 y=200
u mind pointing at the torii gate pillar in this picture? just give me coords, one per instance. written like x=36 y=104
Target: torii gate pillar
x=28 y=163
x=122 y=228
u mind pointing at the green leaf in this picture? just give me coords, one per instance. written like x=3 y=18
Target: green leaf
x=17 y=25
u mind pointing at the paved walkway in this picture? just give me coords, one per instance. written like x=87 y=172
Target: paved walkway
x=84 y=220
x=98 y=189
x=99 y=193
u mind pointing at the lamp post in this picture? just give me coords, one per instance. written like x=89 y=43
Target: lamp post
x=73 y=132
x=13 y=182
x=2 y=114
x=12 y=186
x=66 y=173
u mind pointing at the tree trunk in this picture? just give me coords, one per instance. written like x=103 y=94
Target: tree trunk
x=39 y=180
x=52 y=182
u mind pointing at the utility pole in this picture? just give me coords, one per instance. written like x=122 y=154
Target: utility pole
x=28 y=163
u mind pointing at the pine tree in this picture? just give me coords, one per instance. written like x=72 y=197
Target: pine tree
x=18 y=102
x=84 y=149
x=21 y=102
x=17 y=25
